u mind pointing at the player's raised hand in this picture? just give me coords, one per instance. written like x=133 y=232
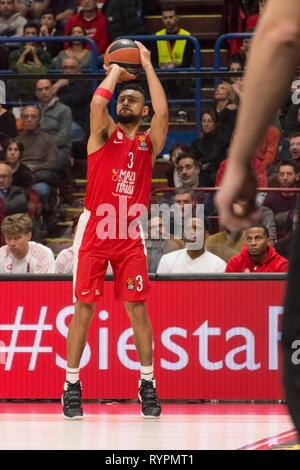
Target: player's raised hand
x=124 y=75
x=145 y=54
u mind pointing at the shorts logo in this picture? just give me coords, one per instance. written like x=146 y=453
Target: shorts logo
x=130 y=283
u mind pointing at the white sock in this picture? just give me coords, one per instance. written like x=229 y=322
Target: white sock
x=72 y=375
x=147 y=372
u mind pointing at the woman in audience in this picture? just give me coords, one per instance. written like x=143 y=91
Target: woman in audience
x=22 y=175
x=76 y=49
x=226 y=109
x=209 y=147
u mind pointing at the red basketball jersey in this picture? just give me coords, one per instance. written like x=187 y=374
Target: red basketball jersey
x=120 y=170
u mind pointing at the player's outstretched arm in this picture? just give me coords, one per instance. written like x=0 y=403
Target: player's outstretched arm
x=101 y=123
x=271 y=66
x=160 y=120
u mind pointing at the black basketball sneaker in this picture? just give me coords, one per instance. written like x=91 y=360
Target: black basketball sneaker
x=148 y=397
x=71 y=401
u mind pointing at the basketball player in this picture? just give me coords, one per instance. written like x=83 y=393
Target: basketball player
x=273 y=59
x=119 y=177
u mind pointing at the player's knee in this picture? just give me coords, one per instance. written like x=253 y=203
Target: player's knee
x=84 y=312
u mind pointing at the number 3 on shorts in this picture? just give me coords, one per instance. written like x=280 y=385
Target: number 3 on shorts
x=139 y=279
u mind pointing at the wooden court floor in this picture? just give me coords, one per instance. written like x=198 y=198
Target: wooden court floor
x=227 y=426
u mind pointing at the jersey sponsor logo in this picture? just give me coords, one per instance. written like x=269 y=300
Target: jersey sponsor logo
x=125 y=182
x=119 y=135
x=130 y=283
x=117 y=142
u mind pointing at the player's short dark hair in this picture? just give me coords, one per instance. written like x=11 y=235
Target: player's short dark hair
x=135 y=87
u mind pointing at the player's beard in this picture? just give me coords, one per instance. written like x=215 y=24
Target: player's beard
x=128 y=118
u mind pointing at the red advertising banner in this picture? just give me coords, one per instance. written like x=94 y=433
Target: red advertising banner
x=212 y=340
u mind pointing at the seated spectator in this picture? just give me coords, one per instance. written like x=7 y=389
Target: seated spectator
x=172 y=175
x=193 y=259
x=235 y=65
x=76 y=94
x=40 y=152
x=21 y=174
x=93 y=22
x=226 y=109
x=20 y=255
x=56 y=119
x=291 y=150
x=30 y=58
x=50 y=29
x=76 y=49
x=155 y=242
x=294 y=150
x=173 y=54
x=258 y=167
x=283 y=202
x=8 y=126
x=192 y=176
x=226 y=243
x=209 y=149
x=253 y=19
x=13 y=197
x=124 y=18
x=284 y=245
x=62 y=9
x=268 y=149
x=30 y=54
x=184 y=207
x=190 y=172
x=11 y=21
x=257 y=255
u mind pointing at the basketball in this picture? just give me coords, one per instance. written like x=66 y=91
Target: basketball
x=126 y=54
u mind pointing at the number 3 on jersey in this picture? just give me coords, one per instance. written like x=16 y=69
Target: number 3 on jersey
x=130 y=163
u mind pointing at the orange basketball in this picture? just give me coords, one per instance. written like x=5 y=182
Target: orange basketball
x=125 y=53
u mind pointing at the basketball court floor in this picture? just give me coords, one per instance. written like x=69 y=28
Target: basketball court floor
x=119 y=426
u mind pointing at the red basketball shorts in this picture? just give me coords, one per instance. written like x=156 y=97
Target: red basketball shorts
x=91 y=256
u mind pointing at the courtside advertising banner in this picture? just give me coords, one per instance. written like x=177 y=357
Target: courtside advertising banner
x=212 y=339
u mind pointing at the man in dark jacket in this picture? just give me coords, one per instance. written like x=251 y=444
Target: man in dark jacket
x=13 y=197
x=257 y=255
x=76 y=94
x=124 y=17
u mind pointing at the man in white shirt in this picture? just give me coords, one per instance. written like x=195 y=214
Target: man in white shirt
x=20 y=255
x=193 y=259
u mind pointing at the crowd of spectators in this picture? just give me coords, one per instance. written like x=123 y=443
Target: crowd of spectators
x=38 y=139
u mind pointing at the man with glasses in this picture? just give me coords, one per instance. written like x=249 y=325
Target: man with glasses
x=76 y=94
